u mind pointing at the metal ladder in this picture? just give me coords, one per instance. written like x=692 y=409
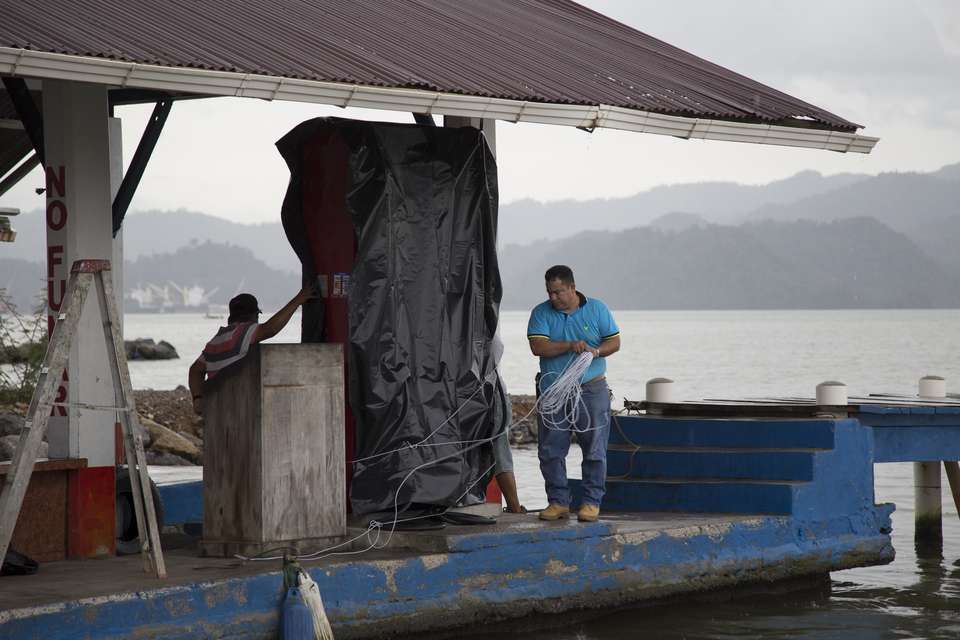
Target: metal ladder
x=82 y=275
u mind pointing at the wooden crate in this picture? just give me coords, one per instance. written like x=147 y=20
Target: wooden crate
x=42 y=530
x=273 y=461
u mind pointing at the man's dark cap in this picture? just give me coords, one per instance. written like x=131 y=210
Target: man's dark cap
x=243 y=305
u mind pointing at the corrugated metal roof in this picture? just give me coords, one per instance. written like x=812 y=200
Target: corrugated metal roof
x=534 y=50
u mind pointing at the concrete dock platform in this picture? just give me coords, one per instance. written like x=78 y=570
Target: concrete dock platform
x=441 y=579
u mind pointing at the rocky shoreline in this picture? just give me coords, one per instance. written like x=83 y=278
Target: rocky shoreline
x=174 y=434
x=139 y=349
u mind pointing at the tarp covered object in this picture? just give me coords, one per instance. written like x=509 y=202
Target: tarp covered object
x=422 y=300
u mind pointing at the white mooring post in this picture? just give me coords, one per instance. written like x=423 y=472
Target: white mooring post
x=831 y=393
x=660 y=390
x=928 y=527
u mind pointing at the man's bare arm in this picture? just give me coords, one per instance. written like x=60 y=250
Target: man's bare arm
x=195 y=379
x=609 y=346
x=279 y=320
x=549 y=348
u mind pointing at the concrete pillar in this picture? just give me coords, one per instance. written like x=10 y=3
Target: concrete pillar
x=928 y=528
x=927 y=507
x=79 y=225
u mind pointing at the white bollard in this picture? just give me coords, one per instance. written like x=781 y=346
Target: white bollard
x=932 y=387
x=660 y=390
x=928 y=507
x=831 y=393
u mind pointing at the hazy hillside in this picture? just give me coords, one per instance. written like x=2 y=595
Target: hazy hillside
x=856 y=263
x=664 y=247
x=23 y=282
x=150 y=232
x=677 y=221
x=902 y=201
x=924 y=207
x=525 y=221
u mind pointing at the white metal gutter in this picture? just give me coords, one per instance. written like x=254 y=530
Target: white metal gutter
x=113 y=73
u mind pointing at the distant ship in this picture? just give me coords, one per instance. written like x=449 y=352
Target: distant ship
x=169 y=298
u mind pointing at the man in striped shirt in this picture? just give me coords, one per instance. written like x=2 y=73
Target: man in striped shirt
x=232 y=342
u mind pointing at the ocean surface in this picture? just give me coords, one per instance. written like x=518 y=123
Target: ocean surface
x=731 y=354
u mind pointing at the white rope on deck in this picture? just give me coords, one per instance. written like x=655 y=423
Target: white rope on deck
x=563 y=398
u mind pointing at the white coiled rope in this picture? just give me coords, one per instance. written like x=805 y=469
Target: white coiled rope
x=561 y=403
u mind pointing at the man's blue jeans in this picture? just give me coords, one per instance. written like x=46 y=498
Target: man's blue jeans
x=553 y=447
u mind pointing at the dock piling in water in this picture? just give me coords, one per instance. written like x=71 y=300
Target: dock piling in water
x=928 y=510
x=953 y=475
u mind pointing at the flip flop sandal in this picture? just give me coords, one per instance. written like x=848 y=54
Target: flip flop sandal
x=454 y=517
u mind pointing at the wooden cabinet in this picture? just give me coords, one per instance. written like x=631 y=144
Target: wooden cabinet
x=273 y=461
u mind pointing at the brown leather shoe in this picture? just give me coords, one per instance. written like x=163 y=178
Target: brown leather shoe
x=588 y=513
x=554 y=512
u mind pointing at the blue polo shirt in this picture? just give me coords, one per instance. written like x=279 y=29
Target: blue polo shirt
x=591 y=322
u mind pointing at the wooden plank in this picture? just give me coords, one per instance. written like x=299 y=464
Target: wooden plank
x=41 y=530
x=947 y=401
x=38 y=415
x=232 y=476
x=303 y=443
x=290 y=367
x=57 y=464
x=133 y=434
x=741 y=410
x=953 y=477
x=273 y=464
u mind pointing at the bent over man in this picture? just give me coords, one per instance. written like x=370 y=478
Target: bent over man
x=232 y=342
x=559 y=330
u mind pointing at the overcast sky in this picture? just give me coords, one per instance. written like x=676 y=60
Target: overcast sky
x=891 y=65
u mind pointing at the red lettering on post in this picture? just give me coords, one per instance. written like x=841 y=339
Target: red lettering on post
x=61 y=397
x=56 y=182
x=54 y=258
x=56 y=214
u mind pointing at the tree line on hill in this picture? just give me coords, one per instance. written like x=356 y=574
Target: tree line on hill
x=810 y=241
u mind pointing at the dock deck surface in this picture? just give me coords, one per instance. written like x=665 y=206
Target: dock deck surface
x=429 y=580
x=72 y=580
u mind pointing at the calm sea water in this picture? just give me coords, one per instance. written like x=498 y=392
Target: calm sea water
x=728 y=354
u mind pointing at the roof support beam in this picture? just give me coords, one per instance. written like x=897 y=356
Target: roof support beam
x=424 y=119
x=131 y=179
x=27 y=111
x=19 y=173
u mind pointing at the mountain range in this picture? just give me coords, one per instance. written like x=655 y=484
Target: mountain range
x=808 y=241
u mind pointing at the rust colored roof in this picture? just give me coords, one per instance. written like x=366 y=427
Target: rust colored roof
x=534 y=50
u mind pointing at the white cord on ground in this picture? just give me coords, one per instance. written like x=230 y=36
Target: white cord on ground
x=563 y=398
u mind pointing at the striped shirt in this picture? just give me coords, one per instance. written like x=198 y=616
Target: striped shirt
x=229 y=345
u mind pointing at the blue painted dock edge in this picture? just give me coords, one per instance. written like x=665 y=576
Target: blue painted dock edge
x=483 y=577
x=810 y=481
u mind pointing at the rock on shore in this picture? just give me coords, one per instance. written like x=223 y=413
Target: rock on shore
x=147 y=349
x=174 y=433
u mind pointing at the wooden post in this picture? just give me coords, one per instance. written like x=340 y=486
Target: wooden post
x=953 y=475
x=927 y=509
x=928 y=516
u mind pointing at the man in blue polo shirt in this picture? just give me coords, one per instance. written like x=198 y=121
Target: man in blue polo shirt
x=560 y=329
